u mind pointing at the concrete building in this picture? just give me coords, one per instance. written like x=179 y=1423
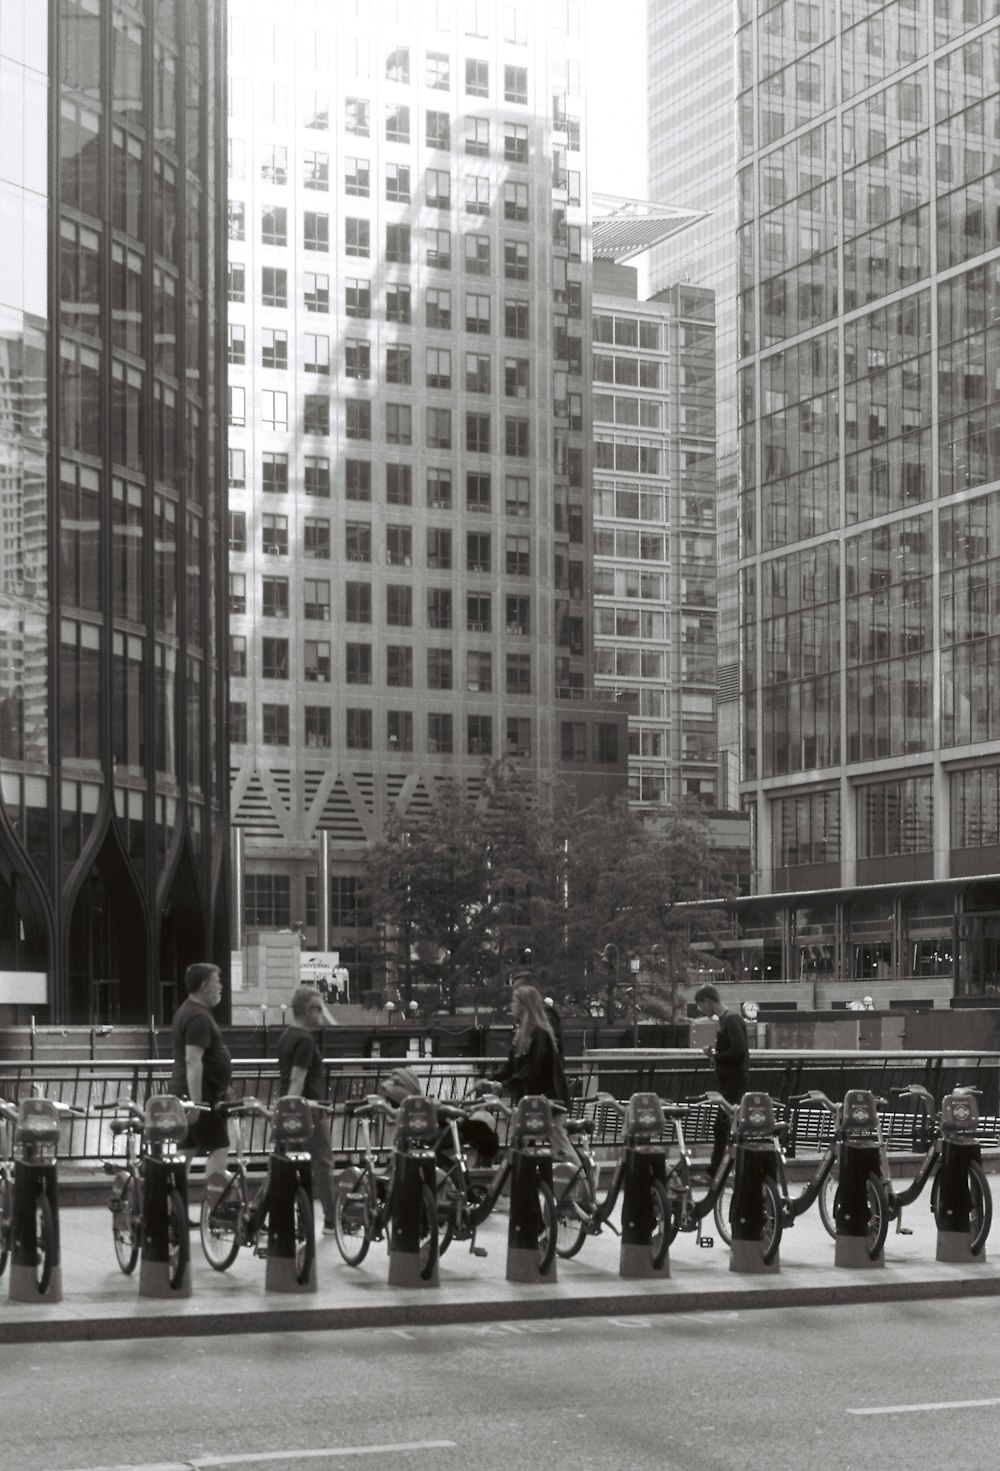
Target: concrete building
x=409 y=343
x=113 y=787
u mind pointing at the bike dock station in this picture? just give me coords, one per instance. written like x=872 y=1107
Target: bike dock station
x=645 y=1170
x=532 y=1209
x=36 y=1266
x=859 y=1170
x=959 y=1173
x=165 y=1261
x=289 y=1197
x=753 y=1185
x=413 y=1262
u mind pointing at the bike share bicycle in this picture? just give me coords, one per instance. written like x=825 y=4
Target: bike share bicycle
x=29 y=1204
x=148 y=1202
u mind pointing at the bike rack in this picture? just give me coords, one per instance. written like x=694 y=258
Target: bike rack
x=164 y=1172
x=531 y=1162
x=755 y=1131
x=36 y=1136
x=644 y=1161
x=859 y=1156
x=959 y=1144
x=414 y=1166
x=287 y=1170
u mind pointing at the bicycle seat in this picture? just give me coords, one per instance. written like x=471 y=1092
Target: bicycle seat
x=126 y=1126
x=579 y=1126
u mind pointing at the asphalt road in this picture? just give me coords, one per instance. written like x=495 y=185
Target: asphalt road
x=912 y=1385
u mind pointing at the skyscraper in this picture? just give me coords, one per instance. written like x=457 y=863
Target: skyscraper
x=410 y=539
x=113 y=792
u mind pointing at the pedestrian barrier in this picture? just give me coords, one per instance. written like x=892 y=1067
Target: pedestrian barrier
x=755 y=1214
x=531 y=1235
x=413 y=1223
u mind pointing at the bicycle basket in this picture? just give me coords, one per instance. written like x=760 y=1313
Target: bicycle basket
x=292 y=1122
x=165 y=1121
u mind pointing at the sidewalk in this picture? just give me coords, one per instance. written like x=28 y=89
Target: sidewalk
x=100 y=1303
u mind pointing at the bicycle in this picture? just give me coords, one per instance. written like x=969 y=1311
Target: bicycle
x=30 y=1134
x=364 y=1196
x=958 y=1119
x=233 y=1218
x=579 y=1214
x=153 y=1133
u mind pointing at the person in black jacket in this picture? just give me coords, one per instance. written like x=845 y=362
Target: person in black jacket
x=731 y=1054
x=534 y=1065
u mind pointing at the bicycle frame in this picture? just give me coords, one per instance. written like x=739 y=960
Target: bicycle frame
x=793 y=1206
x=691 y=1212
x=463 y=1213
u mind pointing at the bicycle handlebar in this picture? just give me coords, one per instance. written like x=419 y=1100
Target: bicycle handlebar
x=814 y=1095
x=717 y=1098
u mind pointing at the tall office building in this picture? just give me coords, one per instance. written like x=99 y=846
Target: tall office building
x=113 y=793
x=410 y=534
x=869 y=381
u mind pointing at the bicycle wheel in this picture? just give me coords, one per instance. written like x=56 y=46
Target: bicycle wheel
x=305 y=1235
x=723 y=1207
x=352 y=1221
x=659 y=1239
x=5 y=1223
x=878 y=1214
x=45 y=1241
x=178 y=1238
x=980 y=1207
x=221 y=1222
x=126 y=1226
x=548 y=1227
x=573 y=1208
x=675 y=1199
x=827 y=1195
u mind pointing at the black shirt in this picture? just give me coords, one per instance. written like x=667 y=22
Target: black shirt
x=732 y=1053
x=195 y=1026
x=537 y=1070
x=299 y=1048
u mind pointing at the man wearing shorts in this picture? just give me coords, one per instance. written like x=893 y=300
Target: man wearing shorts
x=301 y=1075
x=202 y=1065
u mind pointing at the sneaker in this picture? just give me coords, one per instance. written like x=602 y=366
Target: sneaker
x=329 y=1229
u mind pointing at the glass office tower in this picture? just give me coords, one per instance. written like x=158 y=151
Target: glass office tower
x=869 y=407
x=113 y=772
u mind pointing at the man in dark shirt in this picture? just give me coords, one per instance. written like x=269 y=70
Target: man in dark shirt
x=202 y=1065
x=300 y=1075
x=732 y=1063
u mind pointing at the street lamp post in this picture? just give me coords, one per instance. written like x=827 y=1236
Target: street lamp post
x=607 y=961
x=633 y=965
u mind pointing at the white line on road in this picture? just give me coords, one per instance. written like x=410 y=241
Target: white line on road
x=953 y=1404
x=256 y=1457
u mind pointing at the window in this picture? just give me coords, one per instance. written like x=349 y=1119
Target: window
x=477 y=78
x=515 y=202
x=358 y=541
x=237 y=530
x=439 y=733
x=479 y=735
x=438 y=246
x=274 y=597
x=399 y=606
x=237 y=407
x=438 y=607
x=316 y=600
x=315 y=414
x=519 y=674
x=438 y=547
x=516 y=437
x=359 y=730
x=477 y=255
x=398 y=666
x=397 y=124
x=518 y=550
x=437 y=306
x=477 y=136
x=357 y=116
x=399 y=546
x=274 y=409
x=358 y=480
x=274 y=225
x=358 y=298
x=438 y=130
x=317 y=476
x=397 y=182
x=515 y=319
x=477 y=373
x=357 y=237
x=517 y=495
x=274 y=286
x=237 y=219
x=399 y=485
x=478 y=618
x=477 y=551
x=605 y=743
x=273 y=348
x=477 y=492
x=274 y=733
x=358 y=602
x=518 y=736
x=317 y=292
x=237 y=343
x=477 y=433
x=518 y=615
x=515 y=260
x=237 y=593
x=515 y=84
x=397 y=65
x=399 y=730
x=477 y=313
x=477 y=194
x=237 y=469
x=317 y=726
x=357 y=357
x=316 y=170
x=274 y=473
x=274 y=163
x=358 y=418
x=397 y=302
x=348 y=908
x=274 y=535
x=515 y=143
x=274 y=658
x=317 y=352
x=516 y=377
x=316 y=664
x=397 y=244
x=358 y=663
x=438 y=428
x=237 y=282
x=316 y=110
x=515 y=24
x=439 y=489
x=438 y=368
x=437 y=71
x=316 y=233
x=398 y=424
x=238 y=655
x=398 y=365
x=439 y=669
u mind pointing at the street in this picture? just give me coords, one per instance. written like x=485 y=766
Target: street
x=780 y=1389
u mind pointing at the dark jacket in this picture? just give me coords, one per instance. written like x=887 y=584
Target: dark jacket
x=732 y=1056
x=538 y=1070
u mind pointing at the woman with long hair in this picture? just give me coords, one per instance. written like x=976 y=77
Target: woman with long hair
x=534 y=1065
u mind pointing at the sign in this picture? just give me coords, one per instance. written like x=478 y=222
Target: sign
x=322 y=969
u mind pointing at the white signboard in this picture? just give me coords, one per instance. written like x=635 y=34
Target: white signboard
x=322 y=968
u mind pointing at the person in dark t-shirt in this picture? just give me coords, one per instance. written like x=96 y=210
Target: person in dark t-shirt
x=300 y=1075
x=731 y=1054
x=202 y=1065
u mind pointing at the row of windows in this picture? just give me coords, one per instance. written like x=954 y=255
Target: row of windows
x=398 y=485
x=358 y=665
x=399 y=731
x=398 y=605
x=398 y=546
x=893 y=817
x=437 y=308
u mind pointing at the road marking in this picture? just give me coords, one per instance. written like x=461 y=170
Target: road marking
x=952 y=1404
x=257 y=1457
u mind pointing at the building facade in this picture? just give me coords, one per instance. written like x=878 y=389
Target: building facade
x=113 y=793
x=409 y=462
x=869 y=509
